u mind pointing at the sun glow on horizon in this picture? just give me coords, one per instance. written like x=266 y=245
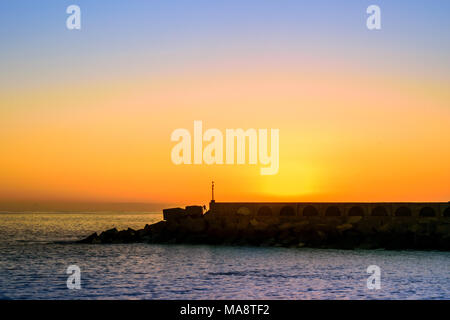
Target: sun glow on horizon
x=361 y=116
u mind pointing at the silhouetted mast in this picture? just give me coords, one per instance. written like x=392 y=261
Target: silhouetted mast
x=212 y=191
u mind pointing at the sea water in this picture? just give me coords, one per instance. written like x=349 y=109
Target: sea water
x=36 y=250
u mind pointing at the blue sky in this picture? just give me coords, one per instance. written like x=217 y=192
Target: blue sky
x=153 y=35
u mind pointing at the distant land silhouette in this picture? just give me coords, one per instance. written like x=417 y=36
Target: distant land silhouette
x=55 y=206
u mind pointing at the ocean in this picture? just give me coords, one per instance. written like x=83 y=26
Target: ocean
x=36 y=249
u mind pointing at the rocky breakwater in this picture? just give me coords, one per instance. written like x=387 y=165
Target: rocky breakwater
x=191 y=226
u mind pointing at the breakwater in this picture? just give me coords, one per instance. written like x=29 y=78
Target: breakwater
x=397 y=226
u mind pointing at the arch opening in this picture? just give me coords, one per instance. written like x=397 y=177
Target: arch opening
x=447 y=212
x=379 y=211
x=310 y=211
x=264 y=211
x=356 y=211
x=287 y=211
x=427 y=212
x=403 y=212
x=332 y=211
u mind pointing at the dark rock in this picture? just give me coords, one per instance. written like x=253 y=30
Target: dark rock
x=173 y=213
x=194 y=211
x=92 y=239
x=157 y=227
x=193 y=225
x=126 y=236
x=141 y=233
x=207 y=214
x=109 y=235
x=177 y=214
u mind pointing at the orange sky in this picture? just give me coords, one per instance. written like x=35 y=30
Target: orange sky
x=86 y=115
x=344 y=136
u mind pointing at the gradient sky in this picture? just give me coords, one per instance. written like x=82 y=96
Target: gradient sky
x=87 y=115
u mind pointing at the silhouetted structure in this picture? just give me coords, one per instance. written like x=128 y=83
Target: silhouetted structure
x=331 y=209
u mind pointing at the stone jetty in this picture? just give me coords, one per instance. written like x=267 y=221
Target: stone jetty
x=248 y=227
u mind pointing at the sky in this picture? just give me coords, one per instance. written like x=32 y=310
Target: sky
x=86 y=115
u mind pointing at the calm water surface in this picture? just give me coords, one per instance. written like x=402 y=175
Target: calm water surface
x=34 y=258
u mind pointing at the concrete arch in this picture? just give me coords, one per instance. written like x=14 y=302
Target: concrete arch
x=379 y=211
x=310 y=211
x=265 y=211
x=446 y=212
x=403 y=212
x=356 y=211
x=287 y=211
x=243 y=211
x=427 y=212
x=332 y=211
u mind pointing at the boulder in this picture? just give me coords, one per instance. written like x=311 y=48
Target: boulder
x=243 y=211
x=126 y=236
x=194 y=211
x=443 y=229
x=157 y=227
x=259 y=225
x=109 y=235
x=243 y=224
x=141 y=233
x=193 y=225
x=300 y=245
x=173 y=213
x=301 y=226
x=207 y=214
x=287 y=226
x=344 y=227
x=174 y=225
x=354 y=219
x=93 y=238
x=147 y=229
